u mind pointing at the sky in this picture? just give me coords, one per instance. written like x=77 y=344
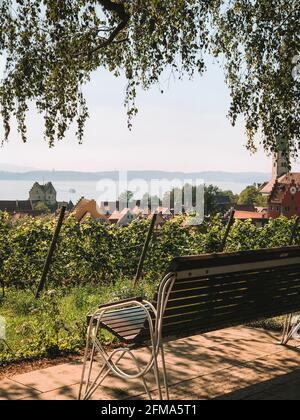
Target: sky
x=184 y=129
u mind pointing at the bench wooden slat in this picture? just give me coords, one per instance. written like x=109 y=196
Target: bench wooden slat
x=209 y=311
x=211 y=322
x=201 y=309
x=235 y=278
x=243 y=289
x=209 y=303
x=228 y=295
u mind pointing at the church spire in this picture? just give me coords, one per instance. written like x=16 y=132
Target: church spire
x=281 y=160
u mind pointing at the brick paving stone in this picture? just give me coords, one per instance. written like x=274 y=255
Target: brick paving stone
x=11 y=390
x=233 y=364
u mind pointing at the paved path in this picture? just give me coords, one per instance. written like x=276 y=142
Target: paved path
x=235 y=364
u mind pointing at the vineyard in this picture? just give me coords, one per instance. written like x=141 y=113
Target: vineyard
x=95 y=263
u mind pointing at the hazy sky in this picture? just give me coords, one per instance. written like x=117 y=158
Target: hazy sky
x=184 y=129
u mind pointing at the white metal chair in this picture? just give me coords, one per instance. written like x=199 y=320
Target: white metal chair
x=135 y=322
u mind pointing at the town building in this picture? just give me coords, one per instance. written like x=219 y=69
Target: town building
x=45 y=194
x=109 y=212
x=165 y=212
x=259 y=219
x=283 y=196
x=122 y=218
x=85 y=208
x=283 y=190
x=18 y=207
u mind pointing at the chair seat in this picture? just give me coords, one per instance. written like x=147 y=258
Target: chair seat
x=125 y=324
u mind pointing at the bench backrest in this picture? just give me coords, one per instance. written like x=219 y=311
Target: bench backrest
x=212 y=292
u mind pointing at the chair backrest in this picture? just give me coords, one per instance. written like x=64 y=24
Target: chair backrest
x=211 y=292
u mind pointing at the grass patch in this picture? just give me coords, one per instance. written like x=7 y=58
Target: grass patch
x=55 y=325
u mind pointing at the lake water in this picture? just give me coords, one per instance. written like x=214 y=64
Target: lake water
x=66 y=191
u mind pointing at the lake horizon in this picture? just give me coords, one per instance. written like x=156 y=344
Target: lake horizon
x=74 y=190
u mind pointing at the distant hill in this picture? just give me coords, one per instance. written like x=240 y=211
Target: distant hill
x=208 y=176
x=15 y=168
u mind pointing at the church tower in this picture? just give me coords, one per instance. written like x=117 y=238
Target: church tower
x=281 y=160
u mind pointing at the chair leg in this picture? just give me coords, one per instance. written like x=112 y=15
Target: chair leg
x=146 y=388
x=91 y=389
x=157 y=378
x=100 y=377
x=165 y=372
x=85 y=360
x=86 y=379
x=92 y=357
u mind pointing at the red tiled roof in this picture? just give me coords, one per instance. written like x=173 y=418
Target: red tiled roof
x=115 y=216
x=267 y=187
x=283 y=183
x=124 y=212
x=293 y=177
x=289 y=178
x=84 y=207
x=137 y=211
x=243 y=215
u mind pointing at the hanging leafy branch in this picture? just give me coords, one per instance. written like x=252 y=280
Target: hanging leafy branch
x=51 y=47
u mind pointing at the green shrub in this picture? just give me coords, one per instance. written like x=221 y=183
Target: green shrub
x=96 y=254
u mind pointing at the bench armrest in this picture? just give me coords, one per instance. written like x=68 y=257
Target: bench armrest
x=121 y=302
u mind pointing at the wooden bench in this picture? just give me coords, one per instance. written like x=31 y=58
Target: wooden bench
x=197 y=295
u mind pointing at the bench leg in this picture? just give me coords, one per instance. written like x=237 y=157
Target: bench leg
x=290 y=329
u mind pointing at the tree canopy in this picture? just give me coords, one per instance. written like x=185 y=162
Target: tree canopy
x=251 y=196
x=51 y=47
x=125 y=197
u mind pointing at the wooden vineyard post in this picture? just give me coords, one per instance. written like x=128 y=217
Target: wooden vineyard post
x=51 y=252
x=294 y=231
x=229 y=225
x=145 y=250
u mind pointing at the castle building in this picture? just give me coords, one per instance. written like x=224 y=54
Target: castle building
x=44 y=193
x=38 y=193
